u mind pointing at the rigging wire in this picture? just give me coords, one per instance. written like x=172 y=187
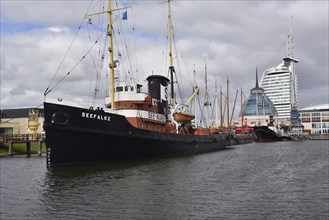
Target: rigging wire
x=180 y=49
x=178 y=53
x=203 y=117
x=69 y=72
x=94 y=69
x=124 y=46
x=47 y=91
x=98 y=64
x=277 y=52
x=134 y=38
x=106 y=72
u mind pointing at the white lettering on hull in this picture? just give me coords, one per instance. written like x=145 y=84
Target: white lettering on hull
x=95 y=116
x=155 y=116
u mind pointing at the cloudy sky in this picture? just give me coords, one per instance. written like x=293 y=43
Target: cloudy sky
x=230 y=37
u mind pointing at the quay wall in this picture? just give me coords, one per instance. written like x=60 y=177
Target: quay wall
x=319 y=137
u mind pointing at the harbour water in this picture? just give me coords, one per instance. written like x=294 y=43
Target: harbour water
x=283 y=180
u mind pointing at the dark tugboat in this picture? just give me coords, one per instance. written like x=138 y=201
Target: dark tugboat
x=131 y=124
x=265 y=134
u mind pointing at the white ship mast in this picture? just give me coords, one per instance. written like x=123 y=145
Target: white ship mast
x=206 y=100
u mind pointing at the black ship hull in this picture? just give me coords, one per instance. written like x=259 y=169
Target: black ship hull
x=75 y=135
x=264 y=134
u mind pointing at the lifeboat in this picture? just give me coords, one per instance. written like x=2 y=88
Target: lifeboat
x=183 y=117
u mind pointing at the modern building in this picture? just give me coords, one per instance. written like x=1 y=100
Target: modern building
x=280 y=84
x=21 y=121
x=258 y=109
x=315 y=119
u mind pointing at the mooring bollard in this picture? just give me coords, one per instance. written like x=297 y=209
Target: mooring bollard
x=40 y=148
x=28 y=148
x=10 y=149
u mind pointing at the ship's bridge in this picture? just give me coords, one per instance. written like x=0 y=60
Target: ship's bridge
x=127 y=92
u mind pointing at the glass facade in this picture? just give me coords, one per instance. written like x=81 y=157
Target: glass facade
x=258 y=104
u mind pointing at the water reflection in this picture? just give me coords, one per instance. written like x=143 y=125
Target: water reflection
x=255 y=181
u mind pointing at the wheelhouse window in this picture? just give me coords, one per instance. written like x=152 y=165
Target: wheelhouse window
x=139 y=88
x=119 y=89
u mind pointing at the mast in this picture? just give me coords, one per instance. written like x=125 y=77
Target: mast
x=216 y=105
x=110 y=41
x=228 y=107
x=194 y=88
x=206 y=98
x=242 y=110
x=171 y=64
x=109 y=34
x=236 y=95
x=221 y=106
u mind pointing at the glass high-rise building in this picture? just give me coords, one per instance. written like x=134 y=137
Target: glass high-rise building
x=280 y=85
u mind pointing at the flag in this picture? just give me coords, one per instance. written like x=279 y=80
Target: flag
x=124 y=15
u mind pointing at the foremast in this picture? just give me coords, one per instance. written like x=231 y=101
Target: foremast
x=111 y=50
x=111 y=58
x=171 y=63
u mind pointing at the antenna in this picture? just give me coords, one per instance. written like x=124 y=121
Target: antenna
x=290 y=48
x=294 y=88
x=257 y=86
x=206 y=81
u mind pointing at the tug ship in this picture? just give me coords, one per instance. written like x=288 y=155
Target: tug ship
x=131 y=124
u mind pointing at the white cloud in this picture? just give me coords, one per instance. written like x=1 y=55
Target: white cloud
x=232 y=37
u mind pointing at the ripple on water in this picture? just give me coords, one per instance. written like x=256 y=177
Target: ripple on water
x=284 y=180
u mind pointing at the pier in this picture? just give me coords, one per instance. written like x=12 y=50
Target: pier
x=13 y=139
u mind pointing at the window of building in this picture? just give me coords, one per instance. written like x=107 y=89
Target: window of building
x=325 y=125
x=6 y=131
x=316 y=125
x=316 y=131
x=315 y=118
